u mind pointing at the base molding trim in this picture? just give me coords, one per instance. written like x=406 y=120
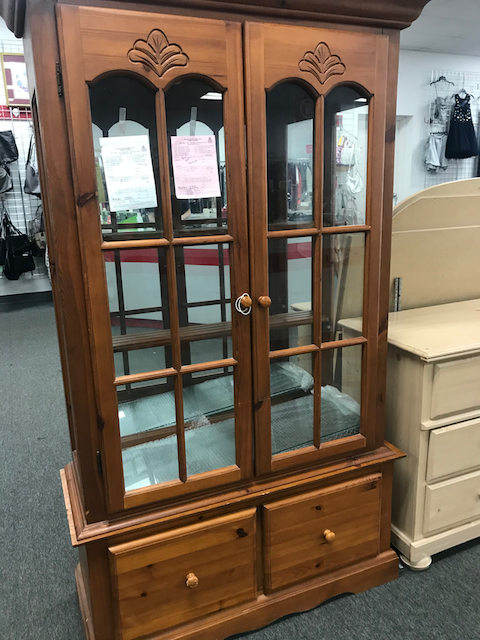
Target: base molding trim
x=416 y=551
x=266 y=609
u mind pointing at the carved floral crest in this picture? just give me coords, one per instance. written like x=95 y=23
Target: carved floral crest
x=157 y=53
x=322 y=63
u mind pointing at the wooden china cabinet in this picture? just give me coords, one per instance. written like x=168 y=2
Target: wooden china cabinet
x=217 y=180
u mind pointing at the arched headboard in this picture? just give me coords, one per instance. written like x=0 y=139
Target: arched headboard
x=436 y=245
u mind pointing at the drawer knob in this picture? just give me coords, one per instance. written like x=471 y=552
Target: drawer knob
x=191 y=581
x=329 y=535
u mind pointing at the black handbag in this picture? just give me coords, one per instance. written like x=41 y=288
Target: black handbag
x=32 y=181
x=6 y=183
x=18 y=252
x=3 y=246
x=8 y=147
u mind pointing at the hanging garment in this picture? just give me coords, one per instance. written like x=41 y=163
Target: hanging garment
x=435 y=152
x=441 y=110
x=461 y=141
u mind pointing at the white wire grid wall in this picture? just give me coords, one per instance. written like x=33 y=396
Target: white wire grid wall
x=21 y=207
x=470 y=81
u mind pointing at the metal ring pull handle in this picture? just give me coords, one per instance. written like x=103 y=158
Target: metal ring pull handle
x=243 y=304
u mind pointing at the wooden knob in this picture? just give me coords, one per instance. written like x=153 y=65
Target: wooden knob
x=246 y=301
x=265 y=301
x=191 y=581
x=329 y=535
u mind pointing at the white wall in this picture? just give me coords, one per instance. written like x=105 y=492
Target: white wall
x=412 y=108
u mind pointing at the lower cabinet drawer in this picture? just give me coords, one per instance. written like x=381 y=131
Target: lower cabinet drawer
x=317 y=532
x=452 y=502
x=175 y=577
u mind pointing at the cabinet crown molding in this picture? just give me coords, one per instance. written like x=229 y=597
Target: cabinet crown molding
x=376 y=13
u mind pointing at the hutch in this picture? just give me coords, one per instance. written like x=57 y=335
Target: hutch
x=217 y=183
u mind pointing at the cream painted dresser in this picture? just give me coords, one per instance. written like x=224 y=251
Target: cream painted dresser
x=433 y=414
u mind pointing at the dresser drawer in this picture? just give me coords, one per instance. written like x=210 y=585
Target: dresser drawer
x=174 y=577
x=456 y=387
x=308 y=535
x=454 y=449
x=452 y=502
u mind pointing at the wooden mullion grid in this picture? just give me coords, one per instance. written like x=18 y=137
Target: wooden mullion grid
x=134 y=244
x=208 y=366
x=294 y=351
x=223 y=306
x=345 y=228
x=340 y=344
x=293 y=233
x=165 y=242
x=191 y=240
x=164 y=164
x=318 y=173
x=143 y=377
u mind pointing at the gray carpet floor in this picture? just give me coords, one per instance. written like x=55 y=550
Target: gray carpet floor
x=37 y=587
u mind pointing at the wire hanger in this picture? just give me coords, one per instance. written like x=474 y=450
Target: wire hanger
x=463 y=90
x=442 y=79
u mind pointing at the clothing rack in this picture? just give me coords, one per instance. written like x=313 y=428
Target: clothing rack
x=470 y=81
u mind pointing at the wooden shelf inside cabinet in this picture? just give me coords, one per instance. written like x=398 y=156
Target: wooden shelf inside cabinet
x=201 y=332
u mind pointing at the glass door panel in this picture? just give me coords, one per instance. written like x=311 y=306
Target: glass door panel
x=343 y=271
x=126 y=158
x=195 y=112
x=204 y=295
x=341 y=392
x=209 y=414
x=315 y=250
x=139 y=309
x=292 y=388
x=149 y=438
x=290 y=289
x=168 y=351
x=346 y=152
x=290 y=111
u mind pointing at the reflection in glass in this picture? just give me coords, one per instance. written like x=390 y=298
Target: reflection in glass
x=203 y=286
x=194 y=109
x=147 y=428
x=122 y=106
x=290 y=288
x=291 y=391
x=343 y=257
x=139 y=360
x=208 y=403
x=148 y=437
x=346 y=150
x=139 y=311
x=290 y=148
x=341 y=392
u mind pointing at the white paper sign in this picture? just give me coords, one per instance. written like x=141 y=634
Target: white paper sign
x=195 y=167
x=127 y=164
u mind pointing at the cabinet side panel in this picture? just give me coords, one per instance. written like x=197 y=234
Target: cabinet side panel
x=67 y=279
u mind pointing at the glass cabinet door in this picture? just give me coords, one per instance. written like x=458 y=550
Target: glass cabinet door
x=157 y=130
x=315 y=187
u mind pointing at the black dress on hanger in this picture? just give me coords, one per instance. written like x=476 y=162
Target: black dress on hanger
x=461 y=141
